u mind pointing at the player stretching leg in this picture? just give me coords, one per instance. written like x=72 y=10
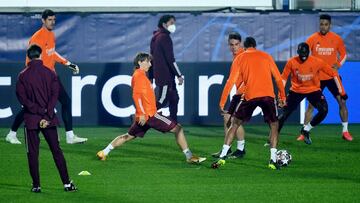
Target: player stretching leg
x=146 y=115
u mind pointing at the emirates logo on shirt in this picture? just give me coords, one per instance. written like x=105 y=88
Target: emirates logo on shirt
x=324 y=51
x=304 y=77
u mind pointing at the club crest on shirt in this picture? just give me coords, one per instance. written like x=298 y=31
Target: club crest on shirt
x=50 y=52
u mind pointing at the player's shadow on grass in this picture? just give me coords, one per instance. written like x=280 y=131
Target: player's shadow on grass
x=253 y=130
x=322 y=175
x=263 y=131
x=151 y=150
x=206 y=131
x=329 y=147
x=17 y=187
x=246 y=164
x=169 y=159
x=134 y=148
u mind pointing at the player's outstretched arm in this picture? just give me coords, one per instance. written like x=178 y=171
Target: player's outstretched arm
x=58 y=58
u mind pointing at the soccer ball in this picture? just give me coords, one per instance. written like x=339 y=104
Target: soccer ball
x=283 y=157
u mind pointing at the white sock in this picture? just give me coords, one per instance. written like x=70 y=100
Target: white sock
x=308 y=127
x=70 y=134
x=224 y=150
x=12 y=133
x=273 y=154
x=108 y=149
x=188 y=153
x=345 y=127
x=241 y=145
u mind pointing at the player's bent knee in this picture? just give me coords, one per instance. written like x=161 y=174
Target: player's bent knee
x=274 y=124
x=128 y=137
x=235 y=122
x=226 y=117
x=283 y=116
x=177 y=128
x=310 y=108
x=323 y=110
x=342 y=103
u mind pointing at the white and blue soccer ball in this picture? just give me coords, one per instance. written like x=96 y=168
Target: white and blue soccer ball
x=283 y=157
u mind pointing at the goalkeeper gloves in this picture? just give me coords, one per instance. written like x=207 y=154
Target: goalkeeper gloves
x=73 y=67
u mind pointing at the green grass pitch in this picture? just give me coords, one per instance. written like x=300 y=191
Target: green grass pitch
x=153 y=169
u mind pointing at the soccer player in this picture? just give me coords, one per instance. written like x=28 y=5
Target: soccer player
x=146 y=115
x=45 y=38
x=37 y=90
x=305 y=72
x=256 y=69
x=234 y=41
x=165 y=69
x=329 y=47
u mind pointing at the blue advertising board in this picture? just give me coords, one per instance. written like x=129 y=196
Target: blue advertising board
x=101 y=94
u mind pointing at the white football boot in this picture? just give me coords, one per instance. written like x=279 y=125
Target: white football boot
x=11 y=138
x=75 y=140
